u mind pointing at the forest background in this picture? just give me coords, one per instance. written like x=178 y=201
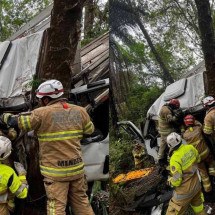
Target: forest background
x=154 y=44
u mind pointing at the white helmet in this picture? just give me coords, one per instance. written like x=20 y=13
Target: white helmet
x=209 y=100
x=5 y=147
x=173 y=140
x=51 y=88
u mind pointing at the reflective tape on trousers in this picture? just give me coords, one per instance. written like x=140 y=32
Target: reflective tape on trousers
x=63 y=172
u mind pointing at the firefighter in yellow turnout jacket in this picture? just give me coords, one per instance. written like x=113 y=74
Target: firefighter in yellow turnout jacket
x=60 y=127
x=184 y=177
x=165 y=124
x=194 y=136
x=10 y=183
x=209 y=120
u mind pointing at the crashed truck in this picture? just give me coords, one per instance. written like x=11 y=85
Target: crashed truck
x=19 y=64
x=190 y=91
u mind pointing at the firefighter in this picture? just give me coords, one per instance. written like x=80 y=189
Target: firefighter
x=138 y=154
x=194 y=136
x=7 y=131
x=209 y=120
x=10 y=183
x=184 y=177
x=60 y=127
x=11 y=134
x=168 y=117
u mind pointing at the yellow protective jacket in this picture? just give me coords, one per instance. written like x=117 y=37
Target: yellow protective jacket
x=183 y=167
x=9 y=181
x=209 y=122
x=194 y=136
x=164 y=121
x=60 y=127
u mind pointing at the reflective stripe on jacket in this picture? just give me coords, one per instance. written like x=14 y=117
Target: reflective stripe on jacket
x=209 y=121
x=59 y=132
x=184 y=171
x=194 y=136
x=9 y=180
x=164 y=121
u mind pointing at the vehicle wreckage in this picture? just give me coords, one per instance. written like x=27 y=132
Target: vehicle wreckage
x=19 y=65
x=190 y=91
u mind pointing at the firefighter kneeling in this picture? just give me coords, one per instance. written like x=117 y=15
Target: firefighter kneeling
x=10 y=183
x=185 y=177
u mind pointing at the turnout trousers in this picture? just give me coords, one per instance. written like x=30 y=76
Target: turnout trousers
x=178 y=207
x=163 y=145
x=205 y=177
x=73 y=192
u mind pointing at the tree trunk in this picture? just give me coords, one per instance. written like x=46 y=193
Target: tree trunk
x=208 y=43
x=63 y=38
x=89 y=18
x=113 y=94
x=167 y=77
x=136 y=14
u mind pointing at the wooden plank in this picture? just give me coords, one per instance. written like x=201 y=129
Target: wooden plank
x=42 y=26
x=94 y=53
x=97 y=43
x=103 y=68
x=99 y=70
x=99 y=61
x=92 y=61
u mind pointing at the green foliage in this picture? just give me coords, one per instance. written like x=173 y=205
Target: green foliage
x=35 y=82
x=135 y=53
x=96 y=34
x=172 y=27
x=121 y=159
x=100 y=22
x=14 y=14
x=139 y=101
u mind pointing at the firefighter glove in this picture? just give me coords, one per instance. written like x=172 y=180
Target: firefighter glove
x=2 y=123
x=178 y=113
x=169 y=181
x=20 y=168
x=6 y=117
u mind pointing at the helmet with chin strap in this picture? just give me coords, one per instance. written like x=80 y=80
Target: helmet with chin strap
x=5 y=148
x=174 y=103
x=50 y=88
x=209 y=100
x=173 y=140
x=189 y=120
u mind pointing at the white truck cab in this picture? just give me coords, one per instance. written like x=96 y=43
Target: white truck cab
x=190 y=92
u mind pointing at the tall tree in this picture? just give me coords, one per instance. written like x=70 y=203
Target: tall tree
x=131 y=16
x=89 y=18
x=95 y=19
x=208 y=43
x=63 y=38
